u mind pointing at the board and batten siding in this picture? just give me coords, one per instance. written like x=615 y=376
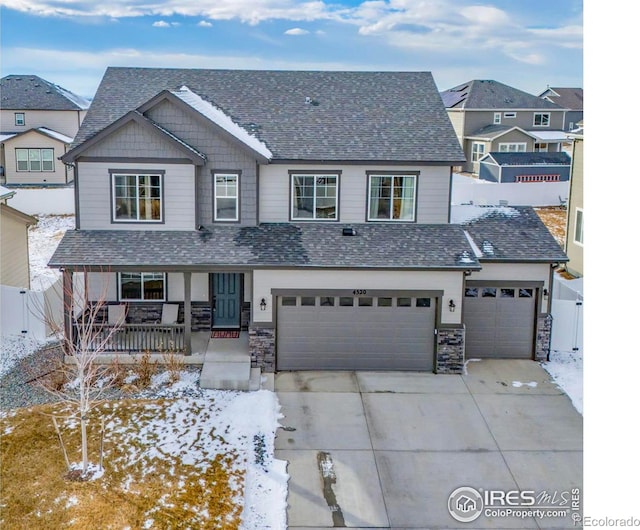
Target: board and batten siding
x=222 y=155
x=94 y=191
x=266 y=280
x=532 y=272
x=432 y=200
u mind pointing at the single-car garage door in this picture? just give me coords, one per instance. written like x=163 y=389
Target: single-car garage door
x=355 y=333
x=499 y=322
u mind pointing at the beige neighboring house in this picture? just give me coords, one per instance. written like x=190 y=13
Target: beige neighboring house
x=574 y=245
x=14 y=243
x=38 y=121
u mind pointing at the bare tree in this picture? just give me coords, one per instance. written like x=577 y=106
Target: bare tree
x=88 y=334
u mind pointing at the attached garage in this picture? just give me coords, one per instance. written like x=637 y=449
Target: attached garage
x=320 y=331
x=499 y=321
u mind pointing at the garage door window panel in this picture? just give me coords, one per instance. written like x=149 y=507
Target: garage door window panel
x=365 y=302
x=289 y=301
x=308 y=301
x=471 y=292
x=346 y=301
x=489 y=292
x=326 y=301
x=404 y=302
x=525 y=293
x=507 y=293
x=423 y=302
x=385 y=302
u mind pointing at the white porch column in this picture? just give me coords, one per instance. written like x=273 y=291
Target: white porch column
x=187 y=312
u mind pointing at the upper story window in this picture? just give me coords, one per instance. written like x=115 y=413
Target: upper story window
x=515 y=147
x=34 y=159
x=137 y=197
x=578 y=235
x=141 y=286
x=392 y=198
x=541 y=119
x=497 y=118
x=226 y=197
x=19 y=118
x=314 y=197
x=477 y=151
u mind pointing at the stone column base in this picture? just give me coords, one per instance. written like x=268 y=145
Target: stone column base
x=450 y=350
x=262 y=347
x=543 y=337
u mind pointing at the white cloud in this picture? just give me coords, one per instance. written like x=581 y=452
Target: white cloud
x=161 y=24
x=296 y=31
x=204 y=24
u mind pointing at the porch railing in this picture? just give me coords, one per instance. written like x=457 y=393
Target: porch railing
x=133 y=338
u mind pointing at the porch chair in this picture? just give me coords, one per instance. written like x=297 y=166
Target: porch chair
x=116 y=315
x=169 y=314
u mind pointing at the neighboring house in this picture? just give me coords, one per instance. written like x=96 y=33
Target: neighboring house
x=308 y=209
x=38 y=121
x=525 y=167
x=488 y=116
x=574 y=243
x=569 y=98
x=14 y=243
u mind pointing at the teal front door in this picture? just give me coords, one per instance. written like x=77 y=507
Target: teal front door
x=226 y=300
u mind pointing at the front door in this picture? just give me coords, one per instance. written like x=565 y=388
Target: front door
x=226 y=300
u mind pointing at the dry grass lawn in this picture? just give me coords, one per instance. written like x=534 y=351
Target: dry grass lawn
x=555 y=218
x=164 y=467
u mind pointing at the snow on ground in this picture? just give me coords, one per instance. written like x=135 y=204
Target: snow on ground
x=15 y=347
x=567 y=372
x=43 y=240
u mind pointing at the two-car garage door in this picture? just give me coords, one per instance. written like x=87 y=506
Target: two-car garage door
x=499 y=322
x=320 y=332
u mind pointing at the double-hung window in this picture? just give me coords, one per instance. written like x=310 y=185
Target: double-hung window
x=497 y=118
x=314 y=197
x=541 y=119
x=477 y=151
x=392 y=198
x=577 y=237
x=34 y=159
x=225 y=197
x=142 y=286
x=19 y=119
x=137 y=197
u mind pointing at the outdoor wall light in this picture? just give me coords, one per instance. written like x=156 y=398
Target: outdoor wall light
x=452 y=306
x=263 y=305
x=545 y=293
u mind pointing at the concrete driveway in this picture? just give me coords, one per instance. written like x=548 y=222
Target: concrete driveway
x=385 y=450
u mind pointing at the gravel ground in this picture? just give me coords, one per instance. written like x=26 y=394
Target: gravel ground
x=20 y=386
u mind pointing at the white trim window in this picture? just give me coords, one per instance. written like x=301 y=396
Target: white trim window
x=225 y=197
x=137 y=197
x=497 y=118
x=512 y=147
x=19 y=119
x=36 y=160
x=510 y=114
x=578 y=232
x=314 y=197
x=392 y=198
x=541 y=119
x=142 y=286
x=477 y=151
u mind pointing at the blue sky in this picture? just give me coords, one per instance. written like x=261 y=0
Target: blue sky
x=524 y=43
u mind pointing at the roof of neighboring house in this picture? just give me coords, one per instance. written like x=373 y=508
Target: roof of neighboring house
x=569 y=98
x=6 y=193
x=301 y=115
x=512 y=233
x=28 y=220
x=30 y=92
x=530 y=158
x=313 y=245
x=490 y=132
x=488 y=94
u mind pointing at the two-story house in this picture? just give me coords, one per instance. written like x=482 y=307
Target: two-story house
x=38 y=120
x=571 y=98
x=574 y=242
x=489 y=116
x=310 y=210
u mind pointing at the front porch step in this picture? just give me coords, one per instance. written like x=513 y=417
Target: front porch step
x=226 y=375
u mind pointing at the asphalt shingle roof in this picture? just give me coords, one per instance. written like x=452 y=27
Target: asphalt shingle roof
x=489 y=94
x=515 y=233
x=302 y=115
x=30 y=92
x=531 y=159
x=570 y=98
x=271 y=245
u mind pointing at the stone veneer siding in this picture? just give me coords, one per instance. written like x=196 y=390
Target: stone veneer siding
x=543 y=337
x=262 y=348
x=450 y=351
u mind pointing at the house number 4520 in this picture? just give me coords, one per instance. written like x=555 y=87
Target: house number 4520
x=359 y=291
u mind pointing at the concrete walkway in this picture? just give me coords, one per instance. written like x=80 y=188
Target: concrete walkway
x=385 y=450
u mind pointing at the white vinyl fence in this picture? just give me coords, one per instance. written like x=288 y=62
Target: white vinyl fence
x=468 y=190
x=51 y=201
x=567 y=312
x=29 y=313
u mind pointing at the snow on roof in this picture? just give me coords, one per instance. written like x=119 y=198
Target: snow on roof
x=221 y=119
x=550 y=136
x=74 y=98
x=6 y=193
x=465 y=213
x=6 y=136
x=55 y=134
